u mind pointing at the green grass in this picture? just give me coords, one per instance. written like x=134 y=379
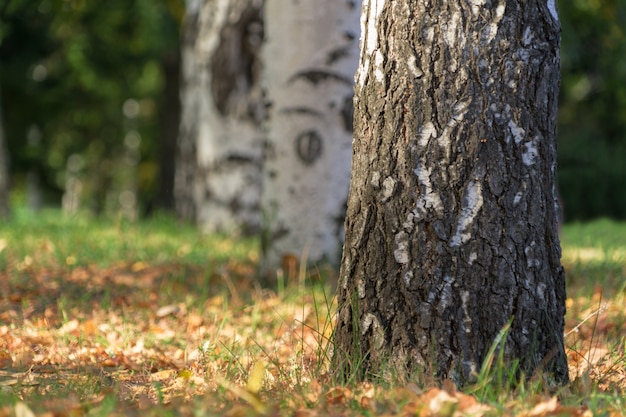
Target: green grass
x=594 y=255
x=51 y=237
x=94 y=289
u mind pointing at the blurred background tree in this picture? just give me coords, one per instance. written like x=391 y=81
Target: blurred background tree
x=592 y=113
x=4 y=172
x=84 y=93
x=90 y=103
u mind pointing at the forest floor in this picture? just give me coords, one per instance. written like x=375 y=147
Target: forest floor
x=108 y=318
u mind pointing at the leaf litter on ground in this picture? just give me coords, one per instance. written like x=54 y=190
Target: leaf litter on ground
x=135 y=338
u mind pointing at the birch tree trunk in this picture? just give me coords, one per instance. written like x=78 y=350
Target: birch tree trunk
x=4 y=170
x=310 y=55
x=451 y=229
x=218 y=174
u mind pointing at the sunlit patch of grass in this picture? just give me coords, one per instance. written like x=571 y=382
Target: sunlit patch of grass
x=49 y=238
x=594 y=255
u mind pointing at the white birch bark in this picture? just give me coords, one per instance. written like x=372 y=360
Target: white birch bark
x=220 y=141
x=310 y=57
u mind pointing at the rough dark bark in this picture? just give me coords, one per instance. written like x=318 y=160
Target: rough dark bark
x=4 y=170
x=451 y=228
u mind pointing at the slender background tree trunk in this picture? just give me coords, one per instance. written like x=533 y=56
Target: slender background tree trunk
x=452 y=215
x=4 y=170
x=220 y=143
x=169 y=125
x=310 y=55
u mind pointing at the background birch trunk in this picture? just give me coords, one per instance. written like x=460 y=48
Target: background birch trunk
x=220 y=142
x=310 y=56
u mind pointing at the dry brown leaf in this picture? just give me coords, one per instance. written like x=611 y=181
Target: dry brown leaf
x=163 y=375
x=544 y=408
x=90 y=328
x=69 y=327
x=337 y=395
x=171 y=309
x=138 y=266
x=442 y=404
x=24 y=358
x=9 y=382
x=304 y=413
x=5 y=360
x=143 y=401
x=194 y=321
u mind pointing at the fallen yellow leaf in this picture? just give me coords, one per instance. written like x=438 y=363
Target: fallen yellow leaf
x=22 y=410
x=255 y=380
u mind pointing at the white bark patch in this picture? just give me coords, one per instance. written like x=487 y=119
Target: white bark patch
x=517 y=198
x=409 y=224
x=413 y=68
x=375 y=181
x=408 y=276
x=401 y=252
x=429 y=200
x=472 y=203
x=541 y=291
x=472 y=258
x=375 y=8
x=361 y=287
x=530 y=152
x=429 y=34
x=450 y=29
x=467 y=319
x=389 y=187
x=446 y=294
x=371 y=321
x=378 y=66
x=426 y=132
x=369 y=39
x=460 y=109
x=476 y=5
x=473 y=369
x=528 y=37
x=492 y=28
x=517 y=132
x=531 y=260
x=552 y=8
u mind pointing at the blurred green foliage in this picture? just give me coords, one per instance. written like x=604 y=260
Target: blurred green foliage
x=592 y=114
x=68 y=66
x=66 y=69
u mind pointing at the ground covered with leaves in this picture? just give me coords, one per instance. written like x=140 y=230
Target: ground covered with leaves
x=105 y=318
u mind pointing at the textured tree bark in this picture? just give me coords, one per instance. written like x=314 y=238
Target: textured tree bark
x=451 y=227
x=310 y=55
x=220 y=142
x=4 y=171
